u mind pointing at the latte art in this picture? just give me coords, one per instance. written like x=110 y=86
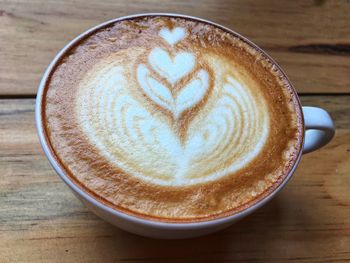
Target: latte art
x=156 y=131
x=171 y=119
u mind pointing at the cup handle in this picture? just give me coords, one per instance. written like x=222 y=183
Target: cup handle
x=319 y=128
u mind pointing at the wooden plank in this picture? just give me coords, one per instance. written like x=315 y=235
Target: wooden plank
x=41 y=220
x=310 y=39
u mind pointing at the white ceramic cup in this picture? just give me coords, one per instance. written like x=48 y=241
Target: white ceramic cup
x=318 y=126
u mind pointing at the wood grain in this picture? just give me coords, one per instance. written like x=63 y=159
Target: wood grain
x=310 y=39
x=41 y=220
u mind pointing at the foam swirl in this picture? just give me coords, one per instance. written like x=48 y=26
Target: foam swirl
x=151 y=128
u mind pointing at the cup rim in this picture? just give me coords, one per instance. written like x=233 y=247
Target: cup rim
x=133 y=218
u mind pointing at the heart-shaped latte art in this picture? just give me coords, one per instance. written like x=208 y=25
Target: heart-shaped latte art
x=172 y=36
x=171 y=68
x=220 y=138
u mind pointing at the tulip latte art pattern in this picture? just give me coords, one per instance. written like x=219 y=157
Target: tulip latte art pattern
x=171 y=116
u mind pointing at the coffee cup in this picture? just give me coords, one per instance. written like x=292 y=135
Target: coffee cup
x=315 y=124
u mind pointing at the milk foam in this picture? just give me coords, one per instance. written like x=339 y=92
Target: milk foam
x=172 y=36
x=163 y=130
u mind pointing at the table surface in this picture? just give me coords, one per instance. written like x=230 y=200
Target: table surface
x=309 y=221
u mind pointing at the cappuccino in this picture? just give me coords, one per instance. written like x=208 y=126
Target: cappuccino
x=171 y=119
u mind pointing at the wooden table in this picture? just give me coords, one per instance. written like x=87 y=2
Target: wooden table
x=309 y=221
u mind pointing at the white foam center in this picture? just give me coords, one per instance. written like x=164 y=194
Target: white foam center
x=172 y=36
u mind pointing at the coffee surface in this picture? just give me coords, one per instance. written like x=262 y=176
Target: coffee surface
x=171 y=119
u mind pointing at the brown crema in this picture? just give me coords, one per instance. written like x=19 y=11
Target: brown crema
x=83 y=163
